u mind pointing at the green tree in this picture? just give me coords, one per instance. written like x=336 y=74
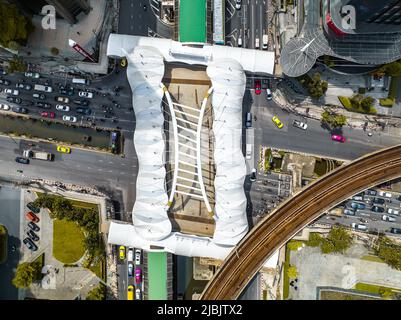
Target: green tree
x=292 y=272
x=16 y=64
x=367 y=103
x=390 y=252
x=315 y=239
x=14 y=27
x=392 y=69
x=3 y=244
x=26 y=273
x=333 y=120
x=98 y=293
x=338 y=240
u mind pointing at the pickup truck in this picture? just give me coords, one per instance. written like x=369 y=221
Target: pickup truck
x=40 y=155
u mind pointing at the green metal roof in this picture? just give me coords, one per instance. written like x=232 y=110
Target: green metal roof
x=192 y=21
x=157 y=274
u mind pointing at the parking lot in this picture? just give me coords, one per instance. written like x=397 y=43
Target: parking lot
x=388 y=205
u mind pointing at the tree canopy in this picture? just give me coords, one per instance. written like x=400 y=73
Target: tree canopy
x=14 y=27
x=26 y=273
x=392 y=69
x=316 y=87
x=333 y=120
x=98 y=293
x=390 y=252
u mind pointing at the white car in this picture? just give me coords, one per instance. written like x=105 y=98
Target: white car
x=388 y=218
x=138 y=295
x=69 y=118
x=300 y=125
x=4 y=106
x=32 y=75
x=63 y=99
x=269 y=95
x=238 y=4
x=385 y=194
x=61 y=107
x=138 y=257
x=358 y=226
x=85 y=94
x=393 y=211
x=11 y=91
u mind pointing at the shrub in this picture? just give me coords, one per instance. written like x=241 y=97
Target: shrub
x=386 y=102
x=26 y=273
x=294 y=245
x=345 y=102
x=54 y=51
x=315 y=239
x=292 y=272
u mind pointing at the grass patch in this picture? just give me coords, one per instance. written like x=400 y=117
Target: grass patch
x=345 y=102
x=386 y=102
x=294 y=245
x=86 y=205
x=41 y=262
x=68 y=240
x=336 y=295
x=268 y=154
x=286 y=279
x=99 y=268
x=374 y=289
x=373 y=258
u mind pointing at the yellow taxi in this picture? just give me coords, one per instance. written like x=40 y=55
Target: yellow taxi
x=122 y=252
x=63 y=149
x=130 y=293
x=277 y=122
x=123 y=62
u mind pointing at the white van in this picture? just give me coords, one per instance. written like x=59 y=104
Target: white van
x=357 y=226
x=248 y=151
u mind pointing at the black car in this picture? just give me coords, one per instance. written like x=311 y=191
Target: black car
x=378 y=201
x=31 y=234
x=377 y=209
x=26 y=103
x=33 y=226
x=81 y=102
x=19 y=110
x=43 y=105
x=33 y=208
x=29 y=243
x=395 y=230
x=14 y=100
x=5 y=82
x=86 y=111
x=40 y=96
x=371 y=192
x=22 y=160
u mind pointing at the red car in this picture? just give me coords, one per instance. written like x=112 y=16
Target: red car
x=337 y=137
x=258 y=87
x=32 y=217
x=46 y=114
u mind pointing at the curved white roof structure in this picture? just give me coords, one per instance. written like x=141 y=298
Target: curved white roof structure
x=151 y=229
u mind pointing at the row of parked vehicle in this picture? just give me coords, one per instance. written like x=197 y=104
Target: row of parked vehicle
x=131 y=259
x=33 y=219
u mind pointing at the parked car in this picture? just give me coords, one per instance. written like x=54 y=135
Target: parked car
x=30 y=245
x=349 y=212
x=138 y=275
x=258 y=87
x=357 y=197
x=11 y=91
x=377 y=209
x=393 y=211
x=385 y=194
x=63 y=149
x=269 y=95
x=238 y=4
x=31 y=207
x=277 y=122
x=388 y=218
x=62 y=107
x=43 y=105
x=337 y=137
x=357 y=226
x=33 y=226
x=69 y=91
x=130 y=255
x=22 y=160
x=31 y=234
x=4 y=106
x=40 y=96
x=23 y=86
x=32 y=217
x=130 y=292
x=371 y=192
x=5 y=82
x=378 y=201
x=46 y=114
x=138 y=294
x=62 y=99
x=121 y=251
x=357 y=205
x=85 y=94
x=130 y=269
x=81 y=102
x=19 y=110
x=86 y=111
x=138 y=255
x=70 y=118
x=395 y=230
x=253 y=175
x=300 y=125
x=14 y=100
x=32 y=75
x=248 y=120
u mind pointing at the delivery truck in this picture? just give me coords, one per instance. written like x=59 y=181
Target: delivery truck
x=40 y=155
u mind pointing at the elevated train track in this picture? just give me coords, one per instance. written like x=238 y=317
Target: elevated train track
x=296 y=213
